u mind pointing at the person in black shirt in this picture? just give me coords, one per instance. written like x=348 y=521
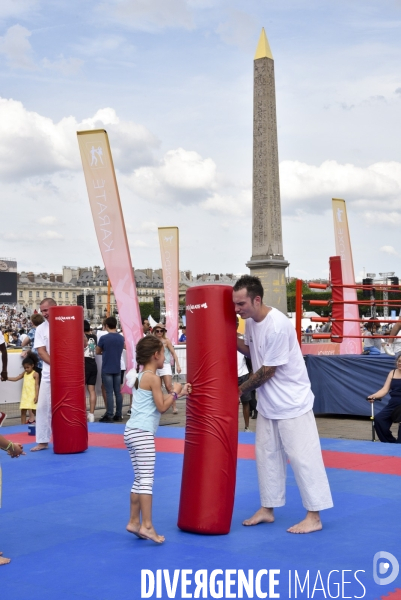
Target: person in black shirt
x=90 y=369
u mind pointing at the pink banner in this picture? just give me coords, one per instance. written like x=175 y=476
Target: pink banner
x=343 y=249
x=168 y=238
x=110 y=230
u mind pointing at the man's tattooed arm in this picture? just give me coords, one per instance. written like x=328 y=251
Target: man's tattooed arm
x=257 y=379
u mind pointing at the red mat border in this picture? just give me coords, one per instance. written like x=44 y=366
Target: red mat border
x=366 y=463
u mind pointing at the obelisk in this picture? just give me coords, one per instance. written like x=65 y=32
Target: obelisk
x=267 y=261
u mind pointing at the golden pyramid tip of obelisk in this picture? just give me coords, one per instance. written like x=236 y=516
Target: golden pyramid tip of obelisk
x=263 y=49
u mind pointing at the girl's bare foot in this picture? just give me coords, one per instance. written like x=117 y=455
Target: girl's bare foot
x=39 y=447
x=263 y=515
x=134 y=528
x=4 y=560
x=149 y=533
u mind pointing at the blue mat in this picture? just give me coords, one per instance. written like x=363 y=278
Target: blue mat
x=63 y=524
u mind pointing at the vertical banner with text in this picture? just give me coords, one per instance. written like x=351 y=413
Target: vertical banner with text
x=168 y=238
x=108 y=218
x=343 y=249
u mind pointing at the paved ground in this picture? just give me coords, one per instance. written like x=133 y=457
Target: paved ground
x=336 y=426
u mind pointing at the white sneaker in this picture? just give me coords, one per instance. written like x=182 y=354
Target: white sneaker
x=247 y=430
x=91 y=417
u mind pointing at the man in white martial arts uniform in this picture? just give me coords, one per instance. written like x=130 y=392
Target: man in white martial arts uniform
x=286 y=427
x=44 y=408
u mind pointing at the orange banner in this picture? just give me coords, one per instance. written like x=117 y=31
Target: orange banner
x=343 y=249
x=108 y=218
x=168 y=238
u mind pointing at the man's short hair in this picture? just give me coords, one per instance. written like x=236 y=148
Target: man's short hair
x=37 y=319
x=145 y=319
x=111 y=322
x=252 y=285
x=50 y=301
x=87 y=326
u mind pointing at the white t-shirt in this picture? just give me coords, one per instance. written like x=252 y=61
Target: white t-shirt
x=241 y=363
x=2 y=340
x=273 y=343
x=42 y=338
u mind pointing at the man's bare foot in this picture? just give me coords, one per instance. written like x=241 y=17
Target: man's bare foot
x=310 y=524
x=263 y=515
x=4 y=560
x=134 y=528
x=149 y=533
x=39 y=447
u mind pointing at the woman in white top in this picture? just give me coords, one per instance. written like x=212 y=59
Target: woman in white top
x=165 y=373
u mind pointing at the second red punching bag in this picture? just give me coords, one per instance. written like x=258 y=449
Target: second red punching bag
x=211 y=434
x=67 y=376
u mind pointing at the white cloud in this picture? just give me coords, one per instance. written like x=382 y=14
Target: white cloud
x=149 y=226
x=392 y=219
x=51 y=235
x=138 y=244
x=15 y=46
x=65 y=66
x=150 y=15
x=182 y=175
x=310 y=188
x=389 y=250
x=14 y=8
x=11 y=236
x=17 y=49
x=33 y=145
x=235 y=205
x=47 y=220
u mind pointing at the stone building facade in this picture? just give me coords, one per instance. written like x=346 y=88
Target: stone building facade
x=65 y=287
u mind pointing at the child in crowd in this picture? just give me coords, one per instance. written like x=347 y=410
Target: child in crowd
x=30 y=388
x=140 y=430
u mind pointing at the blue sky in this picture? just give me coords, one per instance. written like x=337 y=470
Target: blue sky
x=171 y=82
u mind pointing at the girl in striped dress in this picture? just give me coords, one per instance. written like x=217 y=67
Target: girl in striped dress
x=148 y=403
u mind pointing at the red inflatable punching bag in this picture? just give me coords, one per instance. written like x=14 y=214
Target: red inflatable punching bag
x=211 y=435
x=67 y=376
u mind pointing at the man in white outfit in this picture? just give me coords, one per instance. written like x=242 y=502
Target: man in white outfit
x=286 y=427
x=44 y=408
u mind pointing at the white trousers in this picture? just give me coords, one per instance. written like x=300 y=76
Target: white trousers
x=296 y=440
x=44 y=414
